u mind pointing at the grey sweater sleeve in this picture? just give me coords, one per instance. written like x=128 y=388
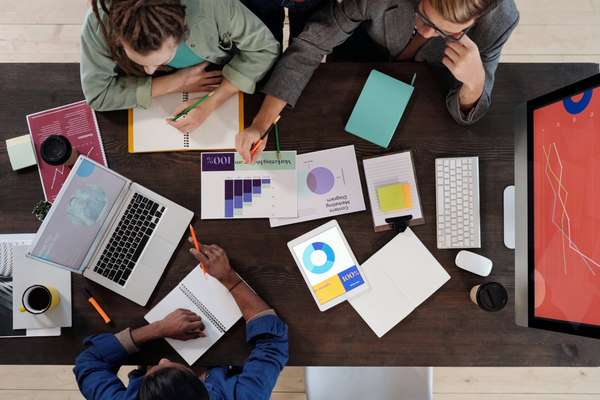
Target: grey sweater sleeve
x=489 y=57
x=328 y=28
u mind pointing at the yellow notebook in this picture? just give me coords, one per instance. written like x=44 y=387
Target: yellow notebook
x=149 y=132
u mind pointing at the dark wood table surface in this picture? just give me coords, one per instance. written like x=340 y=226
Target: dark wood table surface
x=446 y=330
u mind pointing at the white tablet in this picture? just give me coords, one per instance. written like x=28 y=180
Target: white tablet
x=328 y=265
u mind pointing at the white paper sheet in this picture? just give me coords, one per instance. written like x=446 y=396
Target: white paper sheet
x=328 y=185
x=28 y=272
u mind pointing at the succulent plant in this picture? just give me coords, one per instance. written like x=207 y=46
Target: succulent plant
x=41 y=209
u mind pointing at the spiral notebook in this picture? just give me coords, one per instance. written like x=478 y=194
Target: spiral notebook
x=149 y=132
x=207 y=298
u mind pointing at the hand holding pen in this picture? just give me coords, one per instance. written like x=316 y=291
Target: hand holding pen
x=214 y=259
x=257 y=144
x=198 y=249
x=196 y=112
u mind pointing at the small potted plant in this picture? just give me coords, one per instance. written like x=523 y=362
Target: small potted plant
x=41 y=209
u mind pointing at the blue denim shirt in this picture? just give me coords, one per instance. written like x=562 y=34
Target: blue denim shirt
x=96 y=368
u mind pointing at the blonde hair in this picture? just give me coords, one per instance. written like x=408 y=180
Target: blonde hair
x=463 y=11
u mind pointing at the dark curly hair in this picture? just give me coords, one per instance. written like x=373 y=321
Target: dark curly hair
x=170 y=384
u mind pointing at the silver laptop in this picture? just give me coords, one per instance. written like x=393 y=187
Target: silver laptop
x=110 y=229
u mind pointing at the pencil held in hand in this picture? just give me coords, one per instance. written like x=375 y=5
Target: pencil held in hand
x=192 y=106
x=262 y=137
x=198 y=248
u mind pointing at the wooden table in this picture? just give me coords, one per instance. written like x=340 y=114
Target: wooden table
x=447 y=330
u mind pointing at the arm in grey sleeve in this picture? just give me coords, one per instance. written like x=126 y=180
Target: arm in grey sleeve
x=328 y=28
x=489 y=58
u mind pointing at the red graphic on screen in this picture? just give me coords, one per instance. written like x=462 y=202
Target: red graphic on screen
x=567 y=209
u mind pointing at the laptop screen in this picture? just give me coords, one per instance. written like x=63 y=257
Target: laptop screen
x=566 y=170
x=77 y=215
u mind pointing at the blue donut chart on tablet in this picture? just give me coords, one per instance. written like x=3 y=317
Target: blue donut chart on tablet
x=307 y=257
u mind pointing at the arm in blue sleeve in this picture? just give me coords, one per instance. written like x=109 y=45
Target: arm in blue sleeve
x=96 y=369
x=262 y=368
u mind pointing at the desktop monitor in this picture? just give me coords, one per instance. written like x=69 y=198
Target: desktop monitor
x=557 y=210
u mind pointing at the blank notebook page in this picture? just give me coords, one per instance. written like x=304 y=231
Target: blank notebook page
x=207 y=298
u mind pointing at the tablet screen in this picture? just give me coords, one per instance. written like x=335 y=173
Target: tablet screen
x=327 y=263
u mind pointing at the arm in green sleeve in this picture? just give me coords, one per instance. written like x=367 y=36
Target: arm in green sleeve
x=104 y=90
x=257 y=48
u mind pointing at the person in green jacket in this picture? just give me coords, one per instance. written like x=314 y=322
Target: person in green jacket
x=124 y=42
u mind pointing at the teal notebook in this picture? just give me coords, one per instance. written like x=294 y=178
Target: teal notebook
x=379 y=108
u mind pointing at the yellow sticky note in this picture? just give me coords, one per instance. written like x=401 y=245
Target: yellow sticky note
x=391 y=198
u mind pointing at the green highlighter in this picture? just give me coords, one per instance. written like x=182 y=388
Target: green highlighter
x=379 y=108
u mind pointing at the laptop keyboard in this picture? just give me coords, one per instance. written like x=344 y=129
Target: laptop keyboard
x=129 y=239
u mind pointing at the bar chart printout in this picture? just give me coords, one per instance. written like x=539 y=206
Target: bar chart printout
x=239 y=194
x=232 y=189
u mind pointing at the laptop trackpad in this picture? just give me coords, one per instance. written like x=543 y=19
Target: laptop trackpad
x=158 y=253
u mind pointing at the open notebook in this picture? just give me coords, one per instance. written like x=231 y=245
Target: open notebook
x=402 y=275
x=148 y=130
x=207 y=298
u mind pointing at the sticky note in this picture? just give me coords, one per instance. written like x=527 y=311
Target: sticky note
x=394 y=197
x=20 y=152
x=407 y=196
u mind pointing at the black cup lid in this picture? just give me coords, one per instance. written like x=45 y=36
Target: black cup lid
x=56 y=150
x=492 y=296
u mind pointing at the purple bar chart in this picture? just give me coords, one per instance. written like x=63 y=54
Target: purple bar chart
x=241 y=193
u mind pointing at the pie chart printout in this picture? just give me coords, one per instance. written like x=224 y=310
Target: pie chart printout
x=320 y=180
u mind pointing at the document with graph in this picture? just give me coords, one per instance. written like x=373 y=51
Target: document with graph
x=234 y=189
x=328 y=185
x=77 y=122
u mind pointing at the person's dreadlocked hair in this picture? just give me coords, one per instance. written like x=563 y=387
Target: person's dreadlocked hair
x=145 y=25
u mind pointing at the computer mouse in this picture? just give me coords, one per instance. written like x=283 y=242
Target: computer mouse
x=473 y=263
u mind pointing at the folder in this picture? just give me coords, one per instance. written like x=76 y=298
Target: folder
x=379 y=108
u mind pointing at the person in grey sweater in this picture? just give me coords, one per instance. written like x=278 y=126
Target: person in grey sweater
x=464 y=36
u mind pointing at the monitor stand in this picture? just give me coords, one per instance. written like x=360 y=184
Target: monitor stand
x=509 y=217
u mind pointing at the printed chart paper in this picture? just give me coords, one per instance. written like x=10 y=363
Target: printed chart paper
x=328 y=185
x=77 y=122
x=231 y=189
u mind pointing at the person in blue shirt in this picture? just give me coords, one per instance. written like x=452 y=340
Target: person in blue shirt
x=96 y=368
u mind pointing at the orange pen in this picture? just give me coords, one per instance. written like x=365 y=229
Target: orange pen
x=91 y=299
x=198 y=248
x=262 y=137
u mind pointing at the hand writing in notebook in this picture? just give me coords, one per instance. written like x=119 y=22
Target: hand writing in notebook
x=181 y=324
x=197 y=115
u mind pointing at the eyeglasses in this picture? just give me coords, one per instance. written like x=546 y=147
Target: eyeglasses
x=430 y=24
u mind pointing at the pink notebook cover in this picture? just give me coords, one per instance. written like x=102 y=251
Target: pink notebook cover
x=77 y=122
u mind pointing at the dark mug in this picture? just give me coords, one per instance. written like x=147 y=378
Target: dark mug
x=490 y=296
x=56 y=150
